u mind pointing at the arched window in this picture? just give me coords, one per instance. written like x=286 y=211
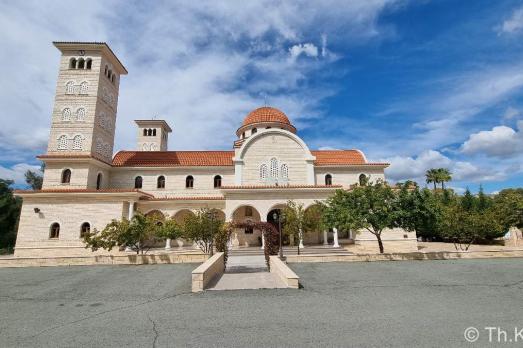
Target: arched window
x=328 y=180
x=69 y=87
x=284 y=171
x=138 y=181
x=146 y=147
x=72 y=63
x=263 y=171
x=81 y=63
x=54 y=231
x=84 y=87
x=77 y=142
x=145 y=132
x=243 y=135
x=88 y=64
x=66 y=114
x=217 y=181
x=66 y=176
x=105 y=71
x=112 y=79
x=149 y=132
x=189 y=182
x=363 y=179
x=154 y=132
x=85 y=229
x=160 y=183
x=109 y=74
x=274 y=168
x=254 y=130
x=62 y=142
x=153 y=147
x=80 y=114
x=99 y=181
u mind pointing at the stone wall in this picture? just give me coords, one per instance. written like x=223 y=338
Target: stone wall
x=285 y=149
x=396 y=239
x=34 y=228
x=174 y=180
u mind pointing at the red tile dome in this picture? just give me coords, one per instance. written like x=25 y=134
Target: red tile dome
x=266 y=114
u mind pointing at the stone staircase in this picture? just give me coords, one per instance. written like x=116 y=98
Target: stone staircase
x=308 y=250
x=246 y=263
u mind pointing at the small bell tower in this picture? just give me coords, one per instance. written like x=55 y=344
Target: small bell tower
x=153 y=135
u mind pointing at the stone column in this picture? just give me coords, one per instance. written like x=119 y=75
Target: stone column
x=325 y=238
x=350 y=235
x=129 y=217
x=335 y=245
x=301 y=246
x=168 y=244
x=263 y=241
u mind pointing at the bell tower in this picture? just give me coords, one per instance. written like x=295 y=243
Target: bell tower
x=153 y=135
x=86 y=100
x=83 y=121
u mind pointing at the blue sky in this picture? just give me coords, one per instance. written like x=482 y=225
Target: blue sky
x=419 y=84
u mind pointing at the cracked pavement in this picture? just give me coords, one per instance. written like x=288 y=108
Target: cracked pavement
x=406 y=303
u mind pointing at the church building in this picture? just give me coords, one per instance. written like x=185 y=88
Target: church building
x=85 y=186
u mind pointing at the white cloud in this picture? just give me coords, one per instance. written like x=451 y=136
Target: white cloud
x=307 y=49
x=511 y=113
x=501 y=141
x=16 y=172
x=202 y=65
x=414 y=168
x=514 y=23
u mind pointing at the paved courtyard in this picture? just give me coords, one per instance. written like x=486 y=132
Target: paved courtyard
x=402 y=304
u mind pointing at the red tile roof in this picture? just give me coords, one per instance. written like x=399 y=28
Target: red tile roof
x=172 y=158
x=223 y=158
x=79 y=190
x=241 y=187
x=344 y=157
x=266 y=114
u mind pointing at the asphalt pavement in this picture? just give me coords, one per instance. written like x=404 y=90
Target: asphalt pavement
x=398 y=304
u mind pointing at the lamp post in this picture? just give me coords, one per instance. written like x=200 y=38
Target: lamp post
x=279 y=217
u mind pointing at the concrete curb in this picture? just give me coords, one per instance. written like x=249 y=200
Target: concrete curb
x=443 y=255
x=152 y=259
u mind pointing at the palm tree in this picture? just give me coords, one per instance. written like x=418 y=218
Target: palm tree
x=444 y=175
x=432 y=177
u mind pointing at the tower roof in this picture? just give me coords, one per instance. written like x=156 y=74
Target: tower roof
x=78 y=45
x=154 y=123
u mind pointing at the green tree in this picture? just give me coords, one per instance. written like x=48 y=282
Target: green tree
x=9 y=214
x=299 y=221
x=372 y=207
x=202 y=228
x=35 y=179
x=464 y=226
x=431 y=176
x=508 y=204
x=169 y=229
x=443 y=175
x=139 y=234
x=468 y=201
x=484 y=201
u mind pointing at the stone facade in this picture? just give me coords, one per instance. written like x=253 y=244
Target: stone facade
x=83 y=183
